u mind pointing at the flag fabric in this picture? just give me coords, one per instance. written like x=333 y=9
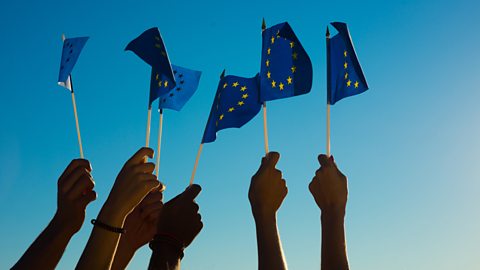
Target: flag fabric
x=72 y=47
x=236 y=102
x=286 y=69
x=176 y=97
x=345 y=75
x=150 y=48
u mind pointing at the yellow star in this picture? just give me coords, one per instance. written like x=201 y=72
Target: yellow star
x=243 y=88
x=274 y=84
x=289 y=80
x=165 y=84
x=235 y=84
x=349 y=83
x=346 y=75
x=267 y=63
x=294 y=55
x=245 y=96
x=240 y=103
x=221 y=117
x=225 y=85
x=293 y=68
x=231 y=109
x=345 y=65
x=160 y=84
x=156 y=77
x=344 y=53
x=268 y=51
x=356 y=84
x=281 y=86
x=292 y=44
x=269 y=74
x=272 y=39
x=157 y=46
x=157 y=38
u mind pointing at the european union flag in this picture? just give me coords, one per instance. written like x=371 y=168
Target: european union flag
x=70 y=53
x=236 y=103
x=286 y=69
x=176 y=97
x=345 y=75
x=150 y=48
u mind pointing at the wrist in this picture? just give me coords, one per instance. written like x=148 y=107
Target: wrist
x=264 y=216
x=333 y=214
x=111 y=216
x=63 y=225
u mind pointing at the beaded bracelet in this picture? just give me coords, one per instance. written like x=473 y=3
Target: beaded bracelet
x=169 y=240
x=108 y=227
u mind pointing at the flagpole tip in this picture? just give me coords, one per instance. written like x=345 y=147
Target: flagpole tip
x=328 y=33
x=63 y=37
x=223 y=74
x=264 y=25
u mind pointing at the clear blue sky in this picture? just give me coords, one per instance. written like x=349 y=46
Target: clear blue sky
x=409 y=145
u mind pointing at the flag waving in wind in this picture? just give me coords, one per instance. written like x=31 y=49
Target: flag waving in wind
x=345 y=75
x=176 y=97
x=286 y=69
x=236 y=103
x=72 y=47
x=150 y=48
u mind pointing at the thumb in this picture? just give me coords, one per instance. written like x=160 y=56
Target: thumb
x=192 y=192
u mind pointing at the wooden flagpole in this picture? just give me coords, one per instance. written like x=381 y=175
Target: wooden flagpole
x=69 y=86
x=328 y=92
x=159 y=141
x=196 y=164
x=264 y=108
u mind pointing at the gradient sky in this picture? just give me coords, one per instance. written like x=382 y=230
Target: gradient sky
x=409 y=145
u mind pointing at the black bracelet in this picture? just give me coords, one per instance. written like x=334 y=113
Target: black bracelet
x=108 y=227
x=170 y=241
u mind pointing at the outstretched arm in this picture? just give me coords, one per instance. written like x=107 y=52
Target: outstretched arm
x=329 y=189
x=75 y=192
x=178 y=226
x=133 y=183
x=266 y=194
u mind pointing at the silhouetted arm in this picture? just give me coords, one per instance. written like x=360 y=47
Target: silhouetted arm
x=329 y=189
x=75 y=192
x=266 y=194
x=133 y=183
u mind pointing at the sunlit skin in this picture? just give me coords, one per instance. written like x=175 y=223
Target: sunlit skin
x=75 y=192
x=330 y=191
x=180 y=222
x=267 y=191
x=132 y=184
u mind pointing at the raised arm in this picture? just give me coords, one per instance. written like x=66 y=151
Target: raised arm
x=329 y=189
x=140 y=226
x=179 y=224
x=75 y=192
x=133 y=183
x=266 y=194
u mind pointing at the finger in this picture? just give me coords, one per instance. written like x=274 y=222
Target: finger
x=272 y=158
x=139 y=156
x=192 y=192
x=72 y=166
x=83 y=184
x=153 y=197
x=88 y=198
x=144 y=168
x=324 y=160
x=70 y=181
x=151 y=209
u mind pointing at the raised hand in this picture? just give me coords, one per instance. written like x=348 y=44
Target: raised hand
x=267 y=189
x=329 y=186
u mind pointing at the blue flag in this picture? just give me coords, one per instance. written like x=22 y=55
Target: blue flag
x=150 y=48
x=345 y=76
x=175 y=98
x=236 y=103
x=70 y=53
x=286 y=69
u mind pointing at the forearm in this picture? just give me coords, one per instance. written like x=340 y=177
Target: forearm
x=123 y=256
x=102 y=244
x=164 y=257
x=334 y=250
x=47 y=249
x=270 y=253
